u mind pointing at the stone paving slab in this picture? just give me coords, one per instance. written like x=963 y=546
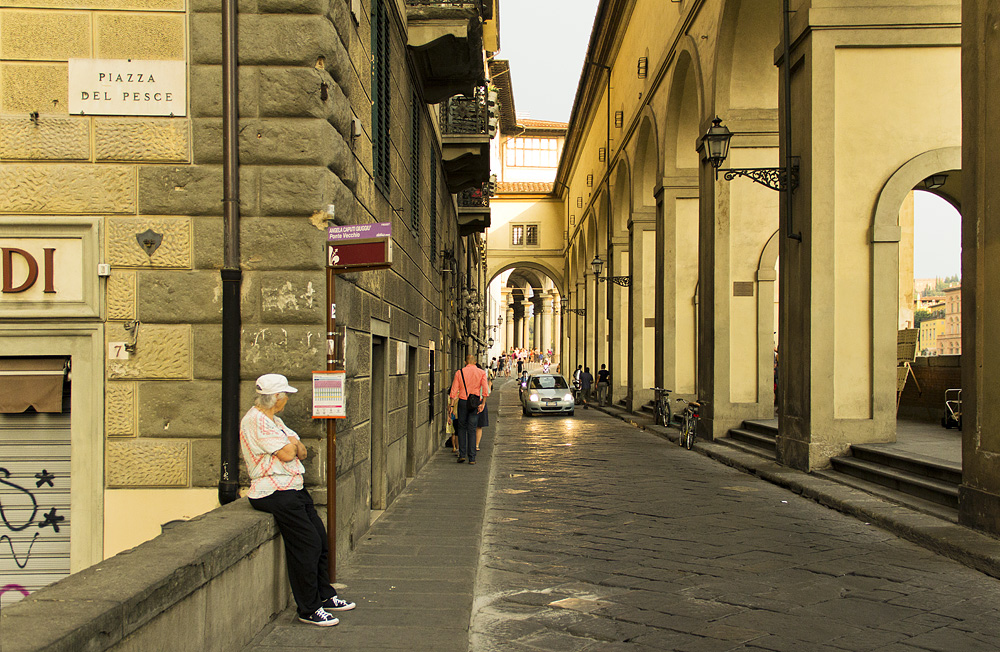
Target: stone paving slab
x=601 y=536
x=413 y=574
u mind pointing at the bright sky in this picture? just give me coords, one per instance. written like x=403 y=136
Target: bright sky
x=937 y=237
x=545 y=41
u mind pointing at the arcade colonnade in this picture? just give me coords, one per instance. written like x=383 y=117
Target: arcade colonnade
x=692 y=296
x=530 y=322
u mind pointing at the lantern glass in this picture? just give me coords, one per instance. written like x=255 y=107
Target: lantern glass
x=716 y=142
x=489 y=342
x=597 y=265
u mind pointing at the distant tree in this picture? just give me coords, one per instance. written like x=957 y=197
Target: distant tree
x=920 y=316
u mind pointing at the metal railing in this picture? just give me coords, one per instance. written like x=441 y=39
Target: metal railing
x=463 y=114
x=484 y=7
x=475 y=197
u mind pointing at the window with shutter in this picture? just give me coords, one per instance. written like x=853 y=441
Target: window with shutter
x=434 y=204
x=380 y=95
x=415 y=168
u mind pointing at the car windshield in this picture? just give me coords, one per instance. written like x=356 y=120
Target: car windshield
x=548 y=382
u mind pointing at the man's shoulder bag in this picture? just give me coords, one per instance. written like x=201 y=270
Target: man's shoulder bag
x=473 y=401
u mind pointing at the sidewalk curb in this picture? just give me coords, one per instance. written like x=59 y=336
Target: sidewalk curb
x=964 y=545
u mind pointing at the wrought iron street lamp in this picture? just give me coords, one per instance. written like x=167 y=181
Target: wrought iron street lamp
x=598 y=266
x=490 y=342
x=715 y=144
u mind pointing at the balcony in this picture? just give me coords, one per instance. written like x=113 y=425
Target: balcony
x=445 y=41
x=474 y=209
x=465 y=140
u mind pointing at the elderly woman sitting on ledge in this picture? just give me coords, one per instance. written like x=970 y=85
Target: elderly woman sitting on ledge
x=273 y=453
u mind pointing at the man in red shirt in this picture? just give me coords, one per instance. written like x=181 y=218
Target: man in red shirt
x=469 y=380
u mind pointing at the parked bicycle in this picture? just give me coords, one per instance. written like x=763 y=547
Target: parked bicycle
x=689 y=423
x=661 y=406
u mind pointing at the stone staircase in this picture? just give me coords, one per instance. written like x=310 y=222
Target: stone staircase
x=925 y=483
x=925 y=478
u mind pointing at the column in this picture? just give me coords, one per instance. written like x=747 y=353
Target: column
x=979 y=495
x=557 y=329
x=536 y=310
x=508 y=326
x=546 y=331
x=641 y=346
x=525 y=325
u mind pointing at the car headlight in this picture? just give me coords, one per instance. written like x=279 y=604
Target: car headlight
x=532 y=397
x=568 y=397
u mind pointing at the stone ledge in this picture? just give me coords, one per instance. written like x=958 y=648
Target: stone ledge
x=101 y=606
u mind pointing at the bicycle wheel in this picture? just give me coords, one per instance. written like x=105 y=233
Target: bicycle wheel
x=689 y=435
x=682 y=430
x=665 y=413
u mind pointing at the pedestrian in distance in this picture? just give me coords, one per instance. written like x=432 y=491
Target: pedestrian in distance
x=469 y=390
x=273 y=454
x=586 y=380
x=603 y=383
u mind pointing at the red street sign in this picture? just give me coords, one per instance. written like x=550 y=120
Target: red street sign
x=375 y=253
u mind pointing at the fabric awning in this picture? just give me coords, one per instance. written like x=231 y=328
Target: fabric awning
x=31 y=382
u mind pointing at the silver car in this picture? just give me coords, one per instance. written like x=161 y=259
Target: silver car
x=546 y=394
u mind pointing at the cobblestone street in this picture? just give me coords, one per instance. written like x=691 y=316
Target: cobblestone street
x=600 y=536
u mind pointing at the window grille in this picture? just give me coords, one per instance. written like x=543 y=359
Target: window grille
x=380 y=95
x=531 y=234
x=434 y=202
x=415 y=168
x=517 y=234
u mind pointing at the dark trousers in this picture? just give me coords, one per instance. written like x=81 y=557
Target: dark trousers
x=306 y=549
x=465 y=428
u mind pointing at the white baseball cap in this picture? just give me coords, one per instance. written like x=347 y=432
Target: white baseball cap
x=274 y=384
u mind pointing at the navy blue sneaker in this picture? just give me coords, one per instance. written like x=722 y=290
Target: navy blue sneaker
x=336 y=604
x=320 y=618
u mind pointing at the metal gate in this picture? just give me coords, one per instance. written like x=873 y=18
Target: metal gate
x=34 y=500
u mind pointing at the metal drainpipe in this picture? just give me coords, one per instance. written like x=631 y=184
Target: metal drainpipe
x=232 y=276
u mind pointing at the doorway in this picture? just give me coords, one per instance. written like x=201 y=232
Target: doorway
x=377 y=423
x=411 y=412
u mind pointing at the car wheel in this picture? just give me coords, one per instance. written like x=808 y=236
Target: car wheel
x=571 y=412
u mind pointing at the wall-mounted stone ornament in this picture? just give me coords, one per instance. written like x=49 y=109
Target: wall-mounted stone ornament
x=149 y=240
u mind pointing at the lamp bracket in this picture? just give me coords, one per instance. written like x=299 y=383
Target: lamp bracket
x=773 y=178
x=624 y=281
x=576 y=311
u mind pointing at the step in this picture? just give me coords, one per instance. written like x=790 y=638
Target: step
x=768 y=428
x=936 y=510
x=936 y=491
x=752 y=449
x=756 y=439
x=927 y=467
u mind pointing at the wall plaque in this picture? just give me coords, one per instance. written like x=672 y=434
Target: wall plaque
x=742 y=288
x=127 y=87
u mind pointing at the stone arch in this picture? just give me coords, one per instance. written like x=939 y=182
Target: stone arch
x=646 y=167
x=884 y=237
x=767 y=279
x=745 y=74
x=621 y=197
x=536 y=265
x=685 y=106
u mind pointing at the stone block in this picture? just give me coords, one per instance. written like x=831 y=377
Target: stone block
x=191 y=190
x=340 y=15
x=207 y=242
x=47 y=139
x=292 y=297
x=206 y=98
x=120 y=409
x=282 y=243
x=293 y=6
x=205 y=464
x=45 y=36
x=141 y=139
x=122 y=249
x=275 y=39
x=139 y=463
x=67 y=189
x=162 y=353
x=120 y=295
x=292 y=350
x=207 y=352
x=301 y=190
x=179 y=409
x=189 y=297
x=186 y=616
x=28 y=87
x=276 y=142
x=214 y=6
x=139 y=36
x=119 y=5
x=359 y=352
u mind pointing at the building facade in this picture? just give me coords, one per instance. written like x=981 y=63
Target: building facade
x=114 y=243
